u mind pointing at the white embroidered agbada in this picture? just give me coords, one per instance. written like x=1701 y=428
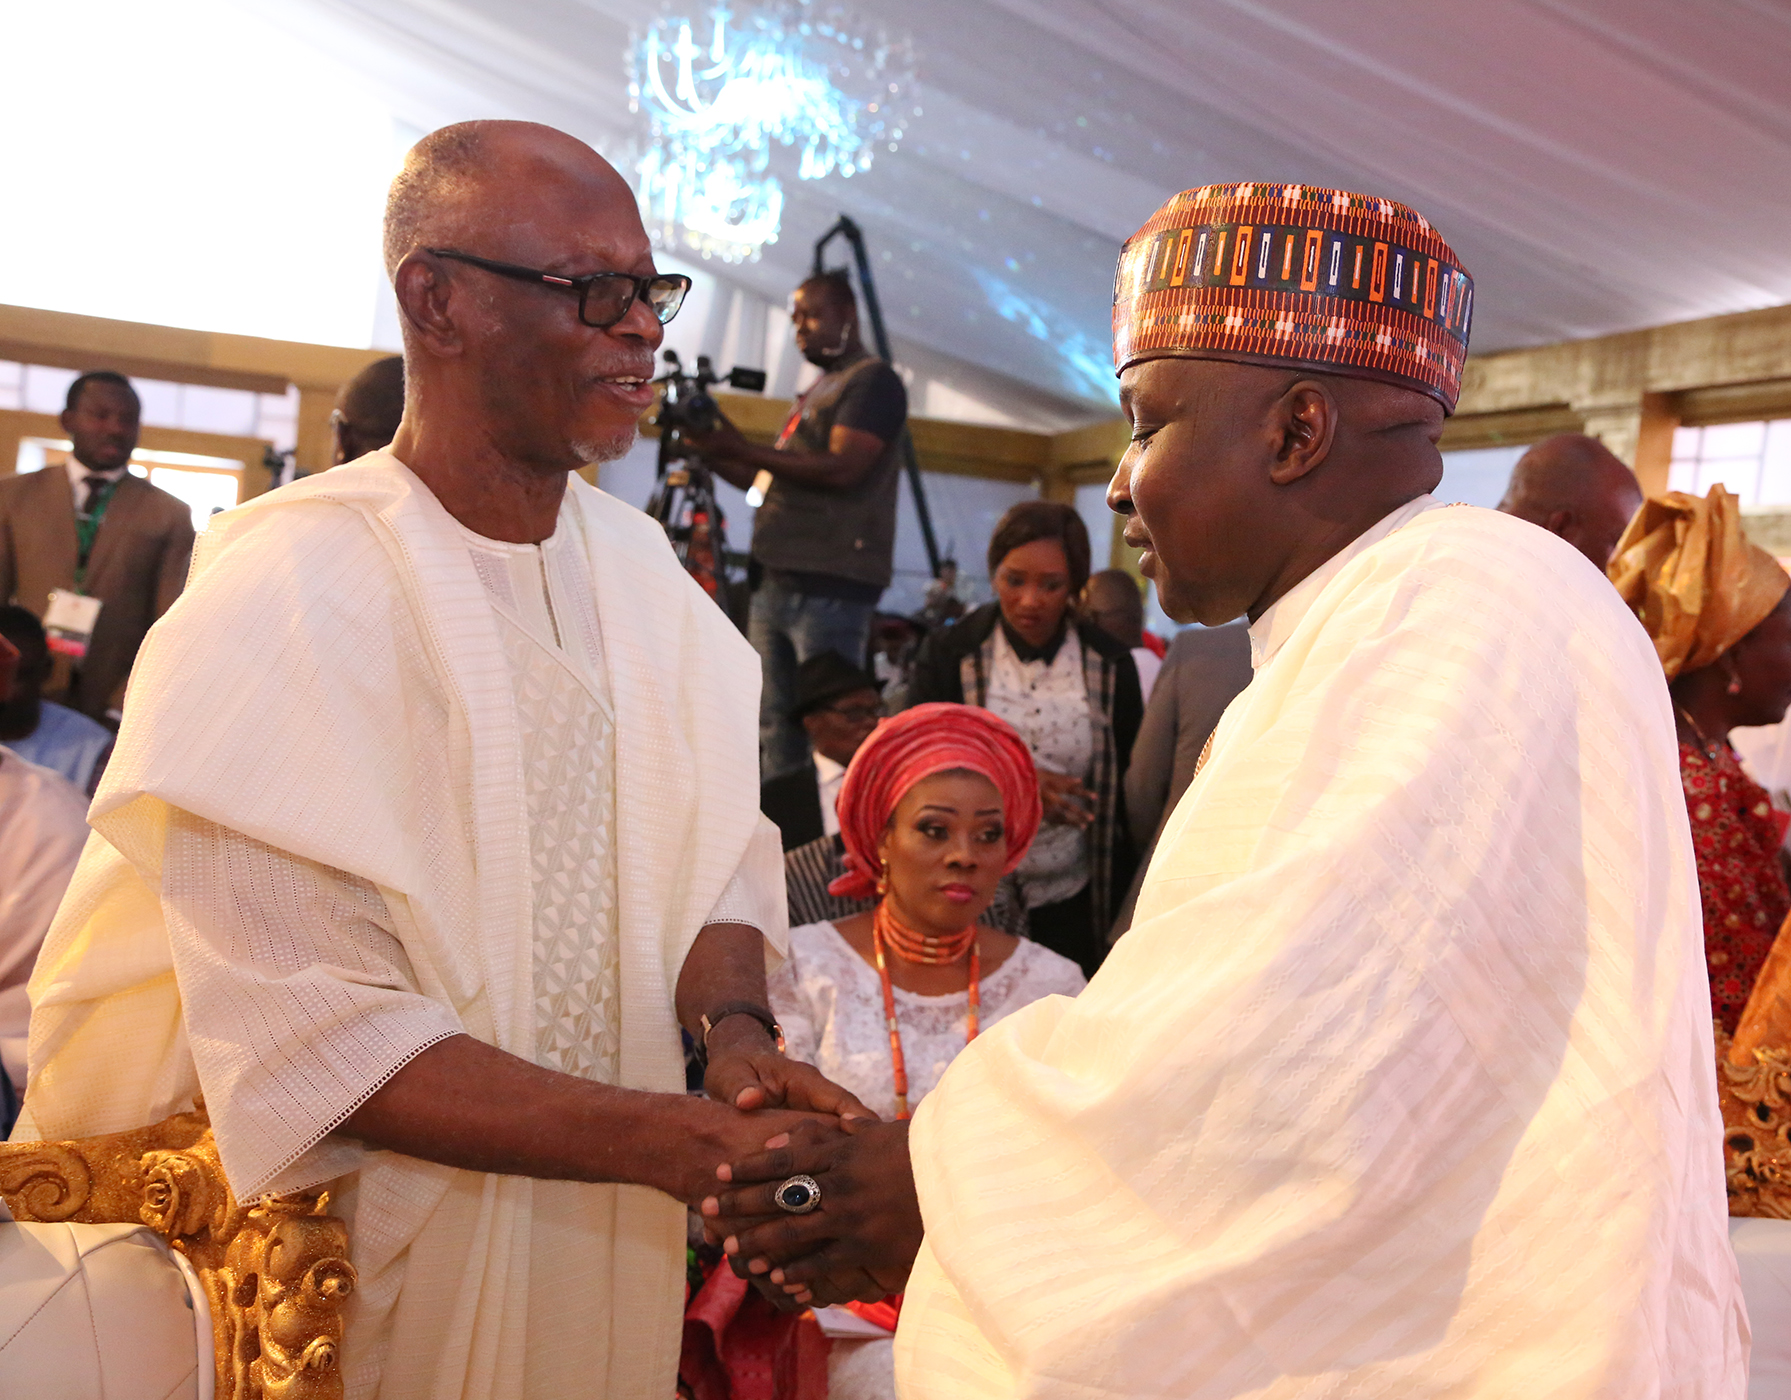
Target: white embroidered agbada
x=1402 y=1083
x=503 y=787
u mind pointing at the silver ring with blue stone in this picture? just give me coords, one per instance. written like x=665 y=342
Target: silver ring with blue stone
x=797 y=1194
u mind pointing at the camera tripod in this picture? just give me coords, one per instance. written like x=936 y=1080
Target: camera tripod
x=683 y=500
x=684 y=504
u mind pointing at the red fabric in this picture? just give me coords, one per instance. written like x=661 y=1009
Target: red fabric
x=1736 y=836
x=916 y=744
x=738 y=1347
x=884 y=1313
x=1155 y=645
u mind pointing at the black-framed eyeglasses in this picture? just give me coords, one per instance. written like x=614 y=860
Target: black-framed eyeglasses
x=603 y=297
x=856 y=714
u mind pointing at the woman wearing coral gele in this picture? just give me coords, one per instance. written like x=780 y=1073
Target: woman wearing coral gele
x=938 y=804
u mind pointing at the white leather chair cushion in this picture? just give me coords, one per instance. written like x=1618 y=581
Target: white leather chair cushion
x=96 y=1312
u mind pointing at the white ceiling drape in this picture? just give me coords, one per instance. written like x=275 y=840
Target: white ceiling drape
x=1599 y=164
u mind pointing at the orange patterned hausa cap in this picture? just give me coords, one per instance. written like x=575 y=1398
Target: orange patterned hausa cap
x=1298 y=276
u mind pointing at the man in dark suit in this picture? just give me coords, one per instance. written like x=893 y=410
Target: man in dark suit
x=93 y=531
x=838 y=706
x=1205 y=670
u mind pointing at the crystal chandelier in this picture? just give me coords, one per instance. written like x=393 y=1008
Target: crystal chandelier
x=794 y=74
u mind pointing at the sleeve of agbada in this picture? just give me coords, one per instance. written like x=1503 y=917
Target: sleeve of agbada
x=1415 y=965
x=249 y=828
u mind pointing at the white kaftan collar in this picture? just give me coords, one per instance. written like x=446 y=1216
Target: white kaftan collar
x=1281 y=617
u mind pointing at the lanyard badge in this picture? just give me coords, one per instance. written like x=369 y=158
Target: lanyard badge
x=69 y=621
x=70 y=618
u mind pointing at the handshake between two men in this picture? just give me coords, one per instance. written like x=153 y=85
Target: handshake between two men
x=827 y=1211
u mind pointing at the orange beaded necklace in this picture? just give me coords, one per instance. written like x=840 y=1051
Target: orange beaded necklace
x=888 y=931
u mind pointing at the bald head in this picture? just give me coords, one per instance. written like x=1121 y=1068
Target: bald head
x=502 y=355
x=487 y=178
x=1115 y=604
x=1575 y=487
x=368 y=409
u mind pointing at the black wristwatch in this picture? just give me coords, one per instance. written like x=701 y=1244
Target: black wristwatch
x=711 y=1019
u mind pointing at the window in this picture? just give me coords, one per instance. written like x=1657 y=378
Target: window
x=1752 y=459
x=206 y=484
x=196 y=407
x=1477 y=476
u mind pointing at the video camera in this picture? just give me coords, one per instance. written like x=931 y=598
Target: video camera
x=684 y=499
x=686 y=404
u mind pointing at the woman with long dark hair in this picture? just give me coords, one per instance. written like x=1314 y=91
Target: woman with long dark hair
x=1072 y=693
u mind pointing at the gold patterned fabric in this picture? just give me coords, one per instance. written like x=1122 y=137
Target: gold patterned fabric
x=1686 y=568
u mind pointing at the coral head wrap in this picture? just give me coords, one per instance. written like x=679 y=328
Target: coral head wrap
x=916 y=744
x=1686 y=568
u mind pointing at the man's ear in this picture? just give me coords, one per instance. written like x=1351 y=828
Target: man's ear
x=1304 y=419
x=425 y=296
x=1563 y=523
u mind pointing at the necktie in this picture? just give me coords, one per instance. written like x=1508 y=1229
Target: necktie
x=96 y=485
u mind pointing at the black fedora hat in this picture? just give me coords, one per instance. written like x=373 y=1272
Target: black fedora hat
x=825 y=677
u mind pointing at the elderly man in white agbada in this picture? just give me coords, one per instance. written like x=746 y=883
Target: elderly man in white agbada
x=434 y=814
x=1402 y=1082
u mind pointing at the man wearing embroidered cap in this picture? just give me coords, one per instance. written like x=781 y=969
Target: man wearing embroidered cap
x=1400 y=1084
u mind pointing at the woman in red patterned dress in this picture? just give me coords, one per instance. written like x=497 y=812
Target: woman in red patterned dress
x=1719 y=610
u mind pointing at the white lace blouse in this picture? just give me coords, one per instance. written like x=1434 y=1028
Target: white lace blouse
x=829 y=1001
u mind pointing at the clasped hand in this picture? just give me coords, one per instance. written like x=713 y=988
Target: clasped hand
x=859 y=1243
x=1066 y=800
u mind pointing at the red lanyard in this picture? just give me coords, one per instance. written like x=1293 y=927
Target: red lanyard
x=795 y=419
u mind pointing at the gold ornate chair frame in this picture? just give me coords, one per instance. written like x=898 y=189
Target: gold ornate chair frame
x=276 y=1271
x=1756 y=1104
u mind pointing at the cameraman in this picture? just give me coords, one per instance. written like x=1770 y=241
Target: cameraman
x=823 y=540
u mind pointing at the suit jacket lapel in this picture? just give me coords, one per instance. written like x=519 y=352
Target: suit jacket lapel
x=121 y=512
x=56 y=505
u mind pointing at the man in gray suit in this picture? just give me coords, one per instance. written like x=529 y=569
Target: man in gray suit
x=1205 y=669
x=95 y=532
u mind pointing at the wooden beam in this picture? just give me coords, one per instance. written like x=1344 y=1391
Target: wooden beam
x=138 y=367
x=1103 y=442
x=15 y=426
x=1515 y=427
x=1629 y=390
x=1653 y=461
x=956 y=449
x=35 y=336
x=1735 y=403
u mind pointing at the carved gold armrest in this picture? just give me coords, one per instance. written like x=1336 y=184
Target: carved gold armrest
x=1756 y=1103
x=276 y=1272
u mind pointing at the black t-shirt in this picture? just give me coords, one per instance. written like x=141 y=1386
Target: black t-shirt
x=875 y=402
x=819 y=533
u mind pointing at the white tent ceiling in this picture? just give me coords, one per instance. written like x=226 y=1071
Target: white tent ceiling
x=1599 y=164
